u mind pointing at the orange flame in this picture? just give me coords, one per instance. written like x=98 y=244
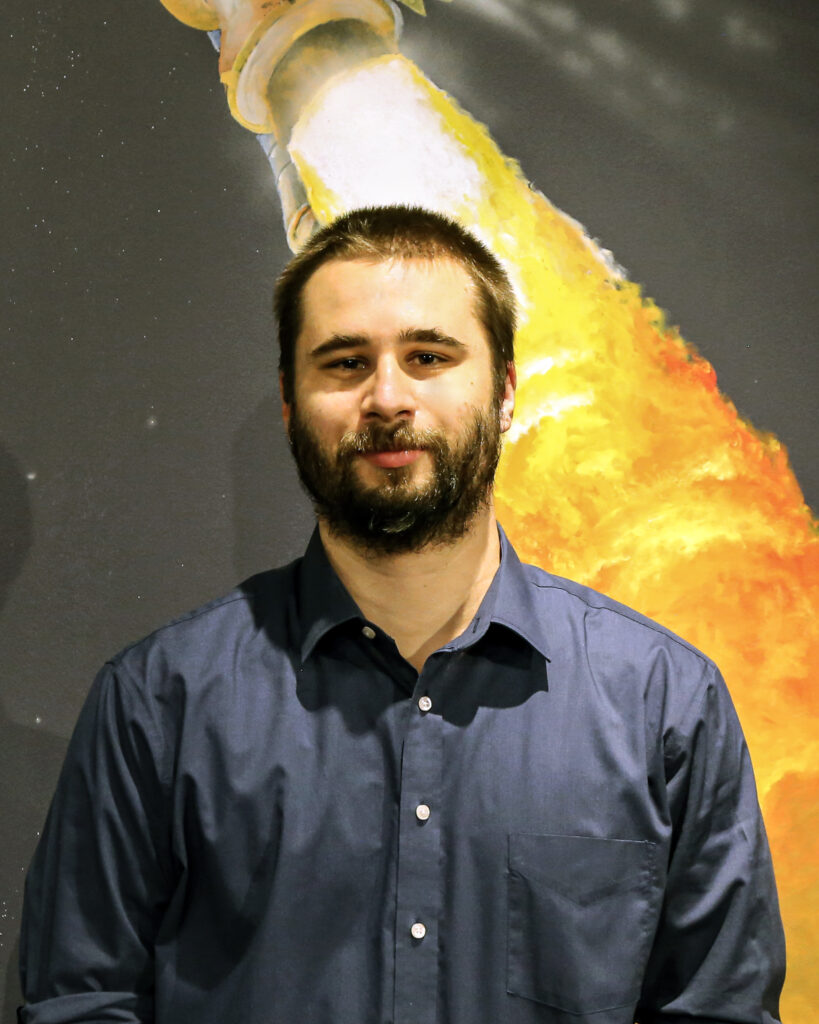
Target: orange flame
x=626 y=468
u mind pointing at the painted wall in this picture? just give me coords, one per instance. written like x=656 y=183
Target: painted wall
x=142 y=467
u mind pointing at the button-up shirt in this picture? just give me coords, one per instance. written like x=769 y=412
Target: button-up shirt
x=267 y=816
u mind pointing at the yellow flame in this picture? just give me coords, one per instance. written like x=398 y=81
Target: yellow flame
x=626 y=468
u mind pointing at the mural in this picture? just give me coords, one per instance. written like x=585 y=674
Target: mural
x=627 y=468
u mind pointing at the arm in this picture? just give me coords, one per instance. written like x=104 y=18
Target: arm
x=101 y=876
x=719 y=953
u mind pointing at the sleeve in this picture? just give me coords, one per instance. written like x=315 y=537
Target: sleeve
x=101 y=876
x=719 y=951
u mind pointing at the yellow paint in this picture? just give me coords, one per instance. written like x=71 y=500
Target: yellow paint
x=631 y=472
x=196 y=13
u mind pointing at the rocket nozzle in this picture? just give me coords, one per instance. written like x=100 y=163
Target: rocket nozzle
x=256 y=35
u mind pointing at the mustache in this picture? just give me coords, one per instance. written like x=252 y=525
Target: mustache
x=379 y=437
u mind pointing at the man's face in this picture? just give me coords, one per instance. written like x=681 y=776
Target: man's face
x=395 y=426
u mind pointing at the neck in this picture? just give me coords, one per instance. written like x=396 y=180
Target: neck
x=421 y=599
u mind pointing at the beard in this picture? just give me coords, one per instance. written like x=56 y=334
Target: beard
x=399 y=515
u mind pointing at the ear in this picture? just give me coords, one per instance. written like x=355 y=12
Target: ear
x=507 y=406
x=286 y=407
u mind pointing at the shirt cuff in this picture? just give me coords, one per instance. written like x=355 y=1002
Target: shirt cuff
x=89 y=1008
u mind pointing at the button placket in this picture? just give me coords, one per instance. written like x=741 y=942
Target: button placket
x=419 y=868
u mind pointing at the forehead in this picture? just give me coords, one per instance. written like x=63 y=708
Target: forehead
x=407 y=292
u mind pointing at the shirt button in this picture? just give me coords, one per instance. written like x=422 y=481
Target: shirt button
x=369 y=632
x=418 y=931
x=422 y=812
x=424 y=703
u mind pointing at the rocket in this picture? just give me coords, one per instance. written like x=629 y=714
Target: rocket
x=275 y=54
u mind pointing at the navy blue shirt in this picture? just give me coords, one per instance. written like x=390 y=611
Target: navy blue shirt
x=267 y=816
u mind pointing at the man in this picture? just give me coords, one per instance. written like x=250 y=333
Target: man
x=405 y=779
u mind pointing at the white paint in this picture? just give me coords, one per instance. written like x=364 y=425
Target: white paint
x=553 y=409
x=376 y=140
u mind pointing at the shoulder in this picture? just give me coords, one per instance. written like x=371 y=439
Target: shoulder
x=197 y=675
x=621 y=650
x=555 y=591
x=605 y=654
x=258 y=612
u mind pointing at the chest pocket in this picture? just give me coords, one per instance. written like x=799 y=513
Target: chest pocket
x=580 y=920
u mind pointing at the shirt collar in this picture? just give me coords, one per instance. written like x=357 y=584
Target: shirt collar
x=324 y=602
x=509 y=602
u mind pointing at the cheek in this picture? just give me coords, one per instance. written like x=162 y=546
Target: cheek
x=329 y=416
x=455 y=390
x=457 y=398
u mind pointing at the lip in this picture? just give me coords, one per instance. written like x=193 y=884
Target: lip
x=393 y=460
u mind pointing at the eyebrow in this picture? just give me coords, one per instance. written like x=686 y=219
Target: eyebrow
x=430 y=336
x=419 y=335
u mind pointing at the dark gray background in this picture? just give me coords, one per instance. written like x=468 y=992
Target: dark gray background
x=142 y=466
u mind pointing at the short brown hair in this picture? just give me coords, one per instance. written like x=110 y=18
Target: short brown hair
x=398 y=232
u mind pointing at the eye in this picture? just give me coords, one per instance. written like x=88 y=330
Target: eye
x=347 y=363
x=429 y=358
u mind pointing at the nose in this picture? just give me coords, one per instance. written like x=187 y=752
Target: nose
x=389 y=394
